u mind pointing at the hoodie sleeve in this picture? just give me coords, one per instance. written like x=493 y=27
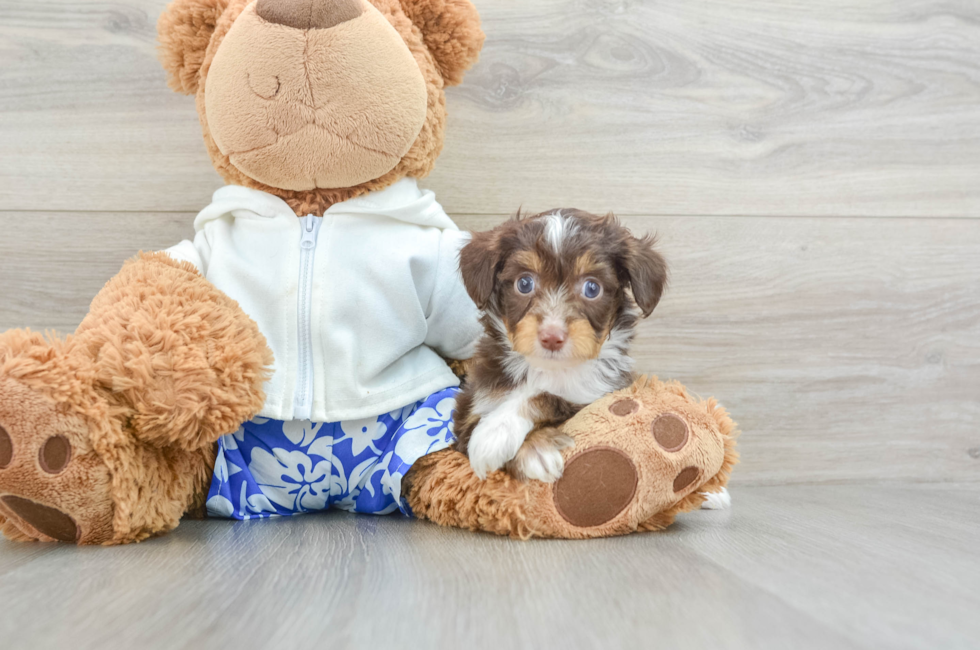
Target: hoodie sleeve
x=197 y=252
x=452 y=318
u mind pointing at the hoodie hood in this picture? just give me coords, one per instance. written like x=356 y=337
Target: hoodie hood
x=402 y=201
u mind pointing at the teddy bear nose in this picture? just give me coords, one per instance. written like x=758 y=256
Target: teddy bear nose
x=309 y=14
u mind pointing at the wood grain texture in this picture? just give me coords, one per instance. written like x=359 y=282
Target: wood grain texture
x=667 y=108
x=53 y=264
x=847 y=349
x=788 y=567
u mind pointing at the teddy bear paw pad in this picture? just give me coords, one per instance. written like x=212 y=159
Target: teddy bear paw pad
x=6 y=448
x=671 y=432
x=46 y=520
x=605 y=472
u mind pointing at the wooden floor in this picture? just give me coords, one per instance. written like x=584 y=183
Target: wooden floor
x=813 y=170
x=789 y=567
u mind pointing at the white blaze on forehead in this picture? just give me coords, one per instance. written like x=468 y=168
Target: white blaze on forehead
x=558 y=228
x=553 y=307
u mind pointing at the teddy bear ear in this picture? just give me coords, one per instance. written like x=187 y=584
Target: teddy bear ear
x=451 y=30
x=184 y=30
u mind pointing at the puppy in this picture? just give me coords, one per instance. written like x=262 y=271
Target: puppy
x=561 y=293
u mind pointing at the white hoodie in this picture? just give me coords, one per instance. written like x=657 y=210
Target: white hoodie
x=354 y=304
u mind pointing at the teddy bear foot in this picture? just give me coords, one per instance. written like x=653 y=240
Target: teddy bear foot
x=53 y=486
x=647 y=453
x=641 y=456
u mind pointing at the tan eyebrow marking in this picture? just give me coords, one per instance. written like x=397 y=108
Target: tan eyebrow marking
x=529 y=260
x=586 y=264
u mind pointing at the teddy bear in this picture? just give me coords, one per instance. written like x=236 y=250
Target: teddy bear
x=293 y=356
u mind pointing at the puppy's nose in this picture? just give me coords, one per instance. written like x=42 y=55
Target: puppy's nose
x=309 y=14
x=552 y=338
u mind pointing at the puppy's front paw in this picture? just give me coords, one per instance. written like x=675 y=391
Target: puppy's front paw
x=495 y=440
x=539 y=458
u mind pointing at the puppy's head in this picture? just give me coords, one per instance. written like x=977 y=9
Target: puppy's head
x=560 y=283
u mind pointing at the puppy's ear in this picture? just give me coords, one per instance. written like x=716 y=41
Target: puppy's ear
x=451 y=30
x=478 y=265
x=184 y=30
x=647 y=271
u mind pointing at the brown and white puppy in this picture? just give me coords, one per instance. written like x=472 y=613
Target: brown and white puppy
x=561 y=294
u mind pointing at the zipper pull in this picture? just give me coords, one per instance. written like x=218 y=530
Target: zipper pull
x=310 y=227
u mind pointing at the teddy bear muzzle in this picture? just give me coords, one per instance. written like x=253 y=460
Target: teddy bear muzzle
x=314 y=94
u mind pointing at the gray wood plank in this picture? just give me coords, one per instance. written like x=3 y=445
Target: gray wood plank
x=53 y=264
x=847 y=349
x=788 y=567
x=667 y=108
x=889 y=567
x=13 y=556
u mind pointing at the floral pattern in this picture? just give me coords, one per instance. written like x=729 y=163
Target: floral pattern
x=270 y=467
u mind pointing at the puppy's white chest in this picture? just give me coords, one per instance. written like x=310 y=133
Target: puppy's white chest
x=576 y=385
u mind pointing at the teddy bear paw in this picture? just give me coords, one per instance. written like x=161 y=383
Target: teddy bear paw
x=640 y=457
x=53 y=486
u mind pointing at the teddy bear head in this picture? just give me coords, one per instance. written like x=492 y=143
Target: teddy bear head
x=319 y=101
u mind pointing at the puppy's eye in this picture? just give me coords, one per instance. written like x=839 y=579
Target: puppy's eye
x=591 y=289
x=525 y=284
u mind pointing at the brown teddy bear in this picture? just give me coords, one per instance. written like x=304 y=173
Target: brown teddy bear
x=290 y=357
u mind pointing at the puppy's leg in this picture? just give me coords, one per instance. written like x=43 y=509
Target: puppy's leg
x=719 y=500
x=499 y=434
x=539 y=458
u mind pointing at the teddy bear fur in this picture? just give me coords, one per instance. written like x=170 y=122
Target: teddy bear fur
x=108 y=436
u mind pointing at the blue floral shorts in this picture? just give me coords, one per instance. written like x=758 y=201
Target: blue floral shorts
x=271 y=467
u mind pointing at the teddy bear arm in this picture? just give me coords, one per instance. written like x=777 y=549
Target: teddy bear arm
x=177 y=359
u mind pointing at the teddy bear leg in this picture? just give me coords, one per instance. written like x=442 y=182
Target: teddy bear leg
x=641 y=456
x=108 y=436
x=442 y=488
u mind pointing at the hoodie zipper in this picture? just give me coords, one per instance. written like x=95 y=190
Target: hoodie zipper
x=303 y=400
